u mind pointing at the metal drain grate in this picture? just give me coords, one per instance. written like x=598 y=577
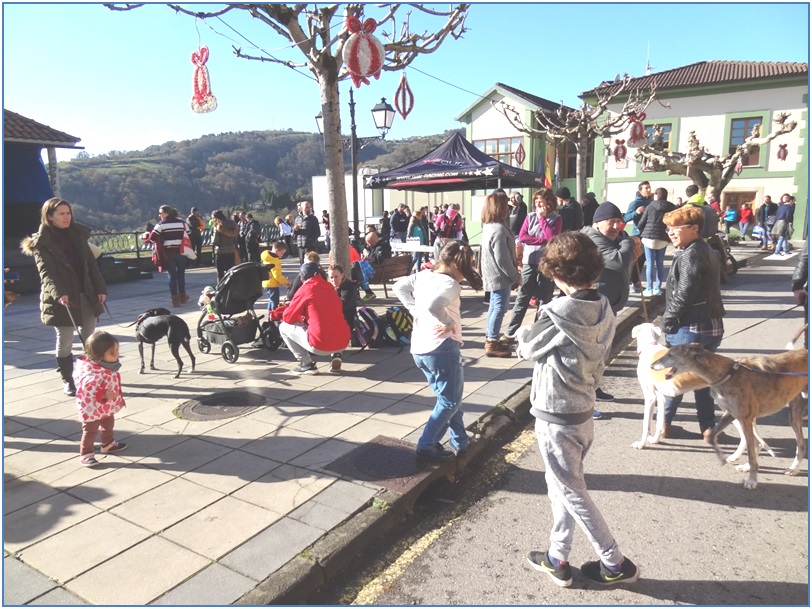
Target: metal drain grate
x=220 y=406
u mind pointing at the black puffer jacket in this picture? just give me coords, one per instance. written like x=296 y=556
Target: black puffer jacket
x=692 y=291
x=59 y=277
x=650 y=224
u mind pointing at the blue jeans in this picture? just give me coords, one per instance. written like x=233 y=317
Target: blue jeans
x=655 y=267
x=496 y=313
x=781 y=246
x=702 y=397
x=176 y=267
x=443 y=370
x=273 y=298
x=399 y=236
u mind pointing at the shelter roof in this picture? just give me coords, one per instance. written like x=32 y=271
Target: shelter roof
x=708 y=73
x=17 y=128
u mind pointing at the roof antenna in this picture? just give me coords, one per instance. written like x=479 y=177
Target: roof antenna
x=648 y=63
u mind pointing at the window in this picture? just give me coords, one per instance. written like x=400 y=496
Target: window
x=502 y=149
x=568 y=161
x=740 y=130
x=666 y=135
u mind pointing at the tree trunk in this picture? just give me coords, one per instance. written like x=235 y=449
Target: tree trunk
x=580 y=168
x=334 y=164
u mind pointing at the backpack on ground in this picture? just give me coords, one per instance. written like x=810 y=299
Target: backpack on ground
x=400 y=321
x=367 y=327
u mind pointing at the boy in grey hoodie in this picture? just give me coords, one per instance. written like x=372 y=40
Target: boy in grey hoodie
x=568 y=344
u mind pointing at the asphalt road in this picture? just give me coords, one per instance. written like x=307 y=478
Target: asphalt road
x=697 y=535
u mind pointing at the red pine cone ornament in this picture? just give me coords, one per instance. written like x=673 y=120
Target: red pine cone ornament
x=363 y=53
x=404 y=98
x=620 y=150
x=202 y=98
x=637 y=136
x=782 y=152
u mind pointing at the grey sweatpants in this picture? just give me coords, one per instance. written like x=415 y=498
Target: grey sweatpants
x=563 y=448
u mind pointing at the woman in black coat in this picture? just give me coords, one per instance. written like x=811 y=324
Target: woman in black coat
x=73 y=290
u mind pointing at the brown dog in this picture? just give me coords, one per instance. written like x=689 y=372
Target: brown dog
x=745 y=390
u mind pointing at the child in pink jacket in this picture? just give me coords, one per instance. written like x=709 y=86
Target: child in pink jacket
x=98 y=395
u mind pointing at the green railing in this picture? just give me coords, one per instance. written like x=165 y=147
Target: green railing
x=133 y=242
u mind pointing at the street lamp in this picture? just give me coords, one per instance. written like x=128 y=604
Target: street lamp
x=383 y=114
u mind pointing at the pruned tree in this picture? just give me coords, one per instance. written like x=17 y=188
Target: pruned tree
x=320 y=38
x=703 y=168
x=582 y=126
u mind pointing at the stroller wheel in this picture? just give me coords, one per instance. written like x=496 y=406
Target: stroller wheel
x=203 y=345
x=230 y=351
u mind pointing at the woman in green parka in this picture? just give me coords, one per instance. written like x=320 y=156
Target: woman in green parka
x=70 y=279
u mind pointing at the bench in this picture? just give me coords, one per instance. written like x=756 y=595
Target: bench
x=391 y=268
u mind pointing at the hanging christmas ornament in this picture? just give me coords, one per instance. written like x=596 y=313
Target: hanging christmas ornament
x=620 y=150
x=637 y=135
x=782 y=152
x=363 y=53
x=404 y=99
x=519 y=155
x=202 y=98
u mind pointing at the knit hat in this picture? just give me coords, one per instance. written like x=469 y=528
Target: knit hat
x=309 y=269
x=606 y=211
x=563 y=193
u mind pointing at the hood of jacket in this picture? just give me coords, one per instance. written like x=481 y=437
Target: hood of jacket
x=698 y=200
x=44 y=238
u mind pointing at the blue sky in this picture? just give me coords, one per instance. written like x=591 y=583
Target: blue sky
x=123 y=80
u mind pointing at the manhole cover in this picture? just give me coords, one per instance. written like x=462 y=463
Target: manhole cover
x=388 y=462
x=220 y=406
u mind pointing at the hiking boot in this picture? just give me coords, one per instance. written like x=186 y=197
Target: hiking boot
x=335 y=363
x=175 y=300
x=66 y=372
x=602 y=396
x=183 y=298
x=668 y=433
x=595 y=571
x=561 y=575
x=306 y=368
x=494 y=348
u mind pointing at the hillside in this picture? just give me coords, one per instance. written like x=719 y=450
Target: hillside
x=266 y=170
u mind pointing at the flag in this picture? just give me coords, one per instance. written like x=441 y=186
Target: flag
x=548 y=176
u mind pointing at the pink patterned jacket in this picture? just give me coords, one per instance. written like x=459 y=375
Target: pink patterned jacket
x=92 y=382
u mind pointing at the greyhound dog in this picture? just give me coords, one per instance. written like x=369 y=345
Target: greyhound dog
x=656 y=388
x=152 y=325
x=745 y=390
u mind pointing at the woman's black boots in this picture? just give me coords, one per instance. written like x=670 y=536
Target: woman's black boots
x=66 y=371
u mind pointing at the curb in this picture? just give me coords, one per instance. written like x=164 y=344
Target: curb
x=303 y=576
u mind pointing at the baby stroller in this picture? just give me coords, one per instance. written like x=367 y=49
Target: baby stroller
x=221 y=322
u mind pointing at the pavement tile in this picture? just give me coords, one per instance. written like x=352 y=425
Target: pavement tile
x=34 y=523
x=214 y=585
x=346 y=496
x=70 y=473
x=324 y=454
x=363 y=404
x=319 y=398
x=318 y=515
x=150 y=441
x=238 y=432
x=185 y=456
x=221 y=527
x=57 y=596
x=40 y=456
x=119 y=485
x=272 y=548
x=23 y=491
x=19 y=403
x=69 y=553
x=326 y=423
x=69 y=429
x=231 y=471
x=283 y=445
x=370 y=428
x=169 y=565
x=12 y=426
x=282 y=414
x=21 y=583
x=165 y=505
x=405 y=413
x=284 y=489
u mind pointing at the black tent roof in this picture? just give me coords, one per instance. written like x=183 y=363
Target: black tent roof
x=456 y=164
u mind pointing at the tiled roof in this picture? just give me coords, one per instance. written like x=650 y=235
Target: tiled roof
x=546 y=104
x=709 y=73
x=17 y=128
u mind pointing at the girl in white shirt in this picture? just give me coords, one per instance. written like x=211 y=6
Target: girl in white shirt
x=433 y=299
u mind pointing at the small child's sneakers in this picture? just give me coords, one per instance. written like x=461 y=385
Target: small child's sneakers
x=113 y=447
x=88 y=460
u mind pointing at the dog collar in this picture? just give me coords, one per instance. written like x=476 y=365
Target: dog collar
x=730 y=371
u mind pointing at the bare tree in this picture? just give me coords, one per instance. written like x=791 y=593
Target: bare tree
x=321 y=42
x=703 y=168
x=582 y=126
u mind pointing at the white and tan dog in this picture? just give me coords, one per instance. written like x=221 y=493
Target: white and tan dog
x=656 y=388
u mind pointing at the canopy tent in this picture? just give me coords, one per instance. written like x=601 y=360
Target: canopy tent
x=456 y=164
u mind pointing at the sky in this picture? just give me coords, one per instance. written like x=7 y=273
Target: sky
x=123 y=80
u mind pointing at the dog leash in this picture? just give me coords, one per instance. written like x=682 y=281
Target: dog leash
x=75 y=327
x=106 y=308
x=761 y=322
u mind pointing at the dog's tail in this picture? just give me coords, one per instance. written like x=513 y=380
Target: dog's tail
x=791 y=344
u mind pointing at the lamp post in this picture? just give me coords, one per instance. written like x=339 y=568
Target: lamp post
x=383 y=114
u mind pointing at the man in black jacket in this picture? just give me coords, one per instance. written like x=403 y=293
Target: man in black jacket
x=571 y=213
x=400 y=223
x=518 y=212
x=253 y=235
x=693 y=303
